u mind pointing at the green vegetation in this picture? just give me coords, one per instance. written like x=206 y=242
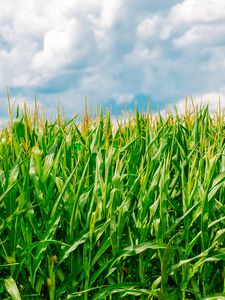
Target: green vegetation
x=138 y=212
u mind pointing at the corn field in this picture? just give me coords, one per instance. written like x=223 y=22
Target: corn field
x=90 y=211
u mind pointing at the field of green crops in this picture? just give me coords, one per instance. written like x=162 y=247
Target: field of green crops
x=136 y=211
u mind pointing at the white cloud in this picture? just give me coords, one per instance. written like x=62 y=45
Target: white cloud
x=14 y=62
x=141 y=54
x=95 y=82
x=103 y=23
x=59 y=49
x=154 y=26
x=190 y=11
x=109 y=14
x=45 y=37
x=149 y=26
x=201 y=34
x=111 y=49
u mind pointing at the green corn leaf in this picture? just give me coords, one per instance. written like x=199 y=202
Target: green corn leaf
x=12 y=288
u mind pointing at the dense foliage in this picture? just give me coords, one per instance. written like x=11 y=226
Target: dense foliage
x=93 y=212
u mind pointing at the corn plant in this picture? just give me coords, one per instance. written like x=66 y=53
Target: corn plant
x=88 y=211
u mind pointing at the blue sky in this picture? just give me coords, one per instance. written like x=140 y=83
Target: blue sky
x=118 y=53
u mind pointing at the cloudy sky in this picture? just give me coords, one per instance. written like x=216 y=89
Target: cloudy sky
x=112 y=51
